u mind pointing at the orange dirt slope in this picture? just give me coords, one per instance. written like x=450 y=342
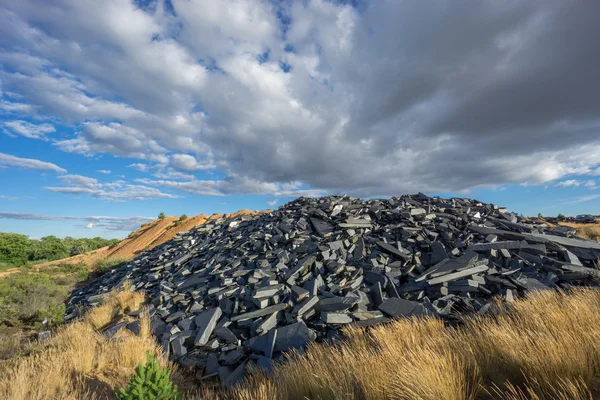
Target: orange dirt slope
x=147 y=237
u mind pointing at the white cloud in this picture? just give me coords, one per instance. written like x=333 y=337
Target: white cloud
x=188 y=163
x=113 y=191
x=272 y=203
x=590 y=183
x=110 y=223
x=170 y=173
x=7 y=160
x=569 y=183
x=473 y=103
x=139 y=166
x=232 y=185
x=113 y=138
x=104 y=171
x=27 y=129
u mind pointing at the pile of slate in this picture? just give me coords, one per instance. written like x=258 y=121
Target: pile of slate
x=245 y=290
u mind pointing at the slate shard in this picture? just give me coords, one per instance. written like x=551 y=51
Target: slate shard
x=395 y=307
x=292 y=337
x=206 y=323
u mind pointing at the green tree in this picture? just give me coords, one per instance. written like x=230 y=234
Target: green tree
x=150 y=382
x=161 y=215
x=49 y=248
x=14 y=248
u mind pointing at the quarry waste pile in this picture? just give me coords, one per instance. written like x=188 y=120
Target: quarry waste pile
x=247 y=289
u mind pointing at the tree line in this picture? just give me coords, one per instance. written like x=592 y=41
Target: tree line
x=18 y=250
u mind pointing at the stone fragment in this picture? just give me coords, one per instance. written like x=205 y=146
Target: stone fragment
x=337 y=303
x=178 y=348
x=396 y=307
x=205 y=323
x=112 y=330
x=335 y=318
x=226 y=335
x=259 y=313
x=457 y=275
x=292 y=336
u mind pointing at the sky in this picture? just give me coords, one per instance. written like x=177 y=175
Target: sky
x=113 y=111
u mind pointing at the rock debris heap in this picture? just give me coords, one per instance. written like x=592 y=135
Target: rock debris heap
x=244 y=290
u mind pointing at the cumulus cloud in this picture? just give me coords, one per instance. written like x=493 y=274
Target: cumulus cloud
x=272 y=203
x=116 y=139
x=342 y=99
x=27 y=129
x=170 y=173
x=110 y=223
x=233 y=185
x=113 y=191
x=7 y=160
x=188 y=163
x=590 y=183
x=139 y=166
x=569 y=183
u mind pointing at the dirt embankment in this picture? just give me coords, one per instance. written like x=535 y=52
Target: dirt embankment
x=147 y=237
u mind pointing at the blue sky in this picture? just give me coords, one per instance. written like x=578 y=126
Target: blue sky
x=111 y=112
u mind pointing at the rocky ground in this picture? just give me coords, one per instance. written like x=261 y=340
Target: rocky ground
x=243 y=290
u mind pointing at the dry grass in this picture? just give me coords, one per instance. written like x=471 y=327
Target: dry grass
x=78 y=362
x=541 y=348
x=588 y=231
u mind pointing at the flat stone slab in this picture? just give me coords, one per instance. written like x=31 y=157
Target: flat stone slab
x=292 y=336
x=395 y=307
x=205 y=324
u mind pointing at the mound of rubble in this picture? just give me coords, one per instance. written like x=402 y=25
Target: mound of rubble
x=245 y=290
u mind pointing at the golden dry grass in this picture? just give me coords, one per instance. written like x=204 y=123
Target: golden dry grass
x=588 y=231
x=541 y=348
x=78 y=362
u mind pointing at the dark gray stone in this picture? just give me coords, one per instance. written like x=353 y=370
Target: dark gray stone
x=205 y=323
x=395 y=307
x=292 y=336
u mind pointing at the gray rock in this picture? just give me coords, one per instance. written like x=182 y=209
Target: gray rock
x=337 y=303
x=178 y=348
x=259 y=313
x=292 y=336
x=205 y=323
x=226 y=335
x=395 y=307
x=113 y=330
x=335 y=318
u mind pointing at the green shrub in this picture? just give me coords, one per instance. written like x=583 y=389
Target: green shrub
x=69 y=268
x=183 y=217
x=26 y=299
x=161 y=215
x=149 y=383
x=101 y=267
